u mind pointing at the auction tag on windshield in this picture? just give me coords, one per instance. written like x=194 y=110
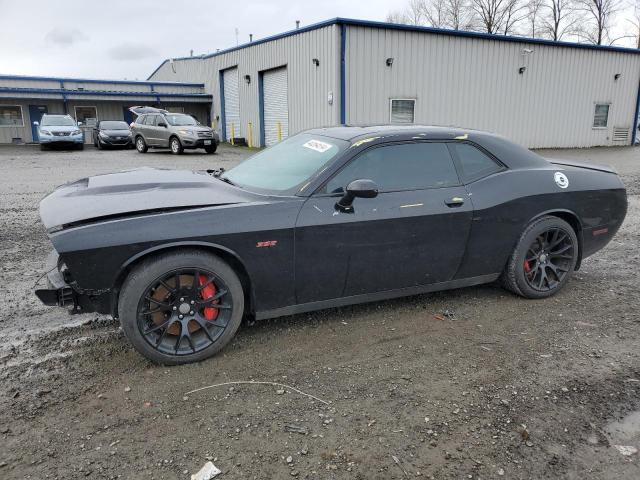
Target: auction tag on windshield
x=317 y=145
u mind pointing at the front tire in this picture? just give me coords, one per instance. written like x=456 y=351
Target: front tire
x=543 y=260
x=141 y=145
x=181 y=307
x=176 y=146
x=211 y=149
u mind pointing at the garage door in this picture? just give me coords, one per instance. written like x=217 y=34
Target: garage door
x=231 y=102
x=276 y=107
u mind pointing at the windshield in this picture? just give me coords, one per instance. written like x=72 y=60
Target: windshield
x=49 y=121
x=181 y=120
x=287 y=165
x=112 y=125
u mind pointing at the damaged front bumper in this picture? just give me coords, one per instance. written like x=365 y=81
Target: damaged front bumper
x=58 y=293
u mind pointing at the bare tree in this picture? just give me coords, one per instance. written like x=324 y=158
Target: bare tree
x=635 y=23
x=459 y=14
x=559 y=18
x=601 y=14
x=435 y=13
x=514 y=14
x=497 y=16
x=533 y=13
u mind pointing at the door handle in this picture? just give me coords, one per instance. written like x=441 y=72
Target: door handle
x=454 y=202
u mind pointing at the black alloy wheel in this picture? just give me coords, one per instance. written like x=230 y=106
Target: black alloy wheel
x=184 y=311
x=549 y=259
x=543 y=260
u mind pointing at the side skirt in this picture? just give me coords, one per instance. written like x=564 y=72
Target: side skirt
x=377 y=296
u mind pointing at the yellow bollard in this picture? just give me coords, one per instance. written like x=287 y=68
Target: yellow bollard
x=279 y=132
x=233 y=133
x=250 y=135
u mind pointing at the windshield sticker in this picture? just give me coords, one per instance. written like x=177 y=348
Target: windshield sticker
x=363 y=141
x=317 y=145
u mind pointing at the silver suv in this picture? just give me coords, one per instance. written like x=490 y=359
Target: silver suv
x=177 y=131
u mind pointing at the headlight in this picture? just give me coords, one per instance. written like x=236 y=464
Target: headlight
x=45 y=132
x=186 y=132
x=76 y=132
x=103 y=135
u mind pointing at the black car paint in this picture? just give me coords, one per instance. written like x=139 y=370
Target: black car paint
x=116 y=138
x=320 y=257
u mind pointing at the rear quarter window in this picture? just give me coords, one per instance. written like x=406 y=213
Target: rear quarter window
x=474 y=163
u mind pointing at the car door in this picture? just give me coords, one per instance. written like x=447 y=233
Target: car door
x=163 y=132
x=151 y=130
x=413 y=233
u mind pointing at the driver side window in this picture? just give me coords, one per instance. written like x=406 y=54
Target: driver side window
x=408 y=166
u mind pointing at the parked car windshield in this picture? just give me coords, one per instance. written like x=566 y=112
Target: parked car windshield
x=113 y=125
x=286 y=166
x=49 y=121
x=181 y=120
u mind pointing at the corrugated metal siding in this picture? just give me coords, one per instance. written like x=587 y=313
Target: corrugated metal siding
x=276 y=108
x=24 y=132
x=105 y=111
x=309 y=86
x=475 y=83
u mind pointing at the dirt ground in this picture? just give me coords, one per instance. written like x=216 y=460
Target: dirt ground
x=471 y=383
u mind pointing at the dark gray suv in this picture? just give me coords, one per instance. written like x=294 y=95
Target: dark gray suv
x=176 y=131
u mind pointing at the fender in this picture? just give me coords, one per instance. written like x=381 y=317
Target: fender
x=125 y=268
x=575 y=217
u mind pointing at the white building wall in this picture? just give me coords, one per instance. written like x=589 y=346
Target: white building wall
x=309 y=86
x=474 y=83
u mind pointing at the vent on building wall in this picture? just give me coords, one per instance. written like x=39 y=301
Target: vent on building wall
x=620 y=134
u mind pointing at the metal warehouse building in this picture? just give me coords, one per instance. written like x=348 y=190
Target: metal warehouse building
x=23 y=100
x=536 y=92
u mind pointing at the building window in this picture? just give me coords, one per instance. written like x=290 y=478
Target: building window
x=87 y=115
x=601 y=115
x=11 y=116
x=402 y=110
x=175 y=109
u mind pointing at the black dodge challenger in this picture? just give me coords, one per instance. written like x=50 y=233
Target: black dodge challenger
x=328 y=217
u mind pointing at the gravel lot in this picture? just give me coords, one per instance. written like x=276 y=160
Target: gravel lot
x=501 y=387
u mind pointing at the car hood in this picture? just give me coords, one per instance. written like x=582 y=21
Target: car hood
x=136 y=191
x=116 y=133
x=59 y=128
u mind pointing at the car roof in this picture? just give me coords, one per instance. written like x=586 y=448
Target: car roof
x=508 y=152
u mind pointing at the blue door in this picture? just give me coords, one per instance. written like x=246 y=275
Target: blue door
x=35 y=115
x=128 y=116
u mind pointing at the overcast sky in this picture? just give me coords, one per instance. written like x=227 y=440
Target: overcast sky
x=130 y=38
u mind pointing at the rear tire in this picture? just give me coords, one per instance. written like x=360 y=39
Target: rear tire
x=156 y=327
x=141 y=145
x=175 y=146
x=543 y=260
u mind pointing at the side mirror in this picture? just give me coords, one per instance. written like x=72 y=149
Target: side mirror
x=79 y=124
x=357 y=189
x=36 y=123
x=162 y=124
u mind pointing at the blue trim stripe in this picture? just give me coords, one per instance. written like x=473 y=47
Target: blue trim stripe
x=101 y=93
x=94 y=80
x=634 y=134
x=412 y=28
x=343 y=75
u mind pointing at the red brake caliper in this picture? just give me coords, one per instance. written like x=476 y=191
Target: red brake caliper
x=210 y=313
x=527 y=267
